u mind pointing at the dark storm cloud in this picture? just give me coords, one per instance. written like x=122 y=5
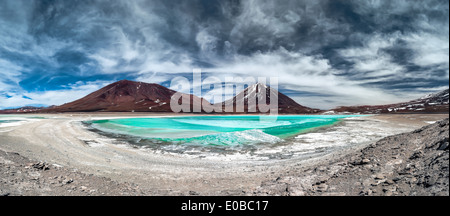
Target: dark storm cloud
x=350 y=50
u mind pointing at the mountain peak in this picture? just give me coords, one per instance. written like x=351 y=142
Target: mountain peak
x=123 y=96
x=125 y=81
x=259 y=85
x=126 y=96
x=284 y=103
x=443 y=93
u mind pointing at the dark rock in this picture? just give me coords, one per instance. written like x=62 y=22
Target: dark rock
x=430 y=182
x=41 y=166
x=418 y=130
x=389 y=182
x=366 y=192
x=321 y=180
x=67 y=181
x=380 y=176
x=361 y=162
x=375 y=184
x=193 y=193
x=321 y=188
x=443 y=146
x=416 y=155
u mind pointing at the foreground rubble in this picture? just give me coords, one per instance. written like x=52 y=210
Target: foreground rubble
x=409 y=164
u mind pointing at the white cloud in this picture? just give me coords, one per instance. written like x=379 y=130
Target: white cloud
x=371 y=61
x=299 y=72
x=206 y=42
x=48 y=98
x=153 y=77
x=431 y=49
x=106 y=62
x=10 y=71
x=277 y=62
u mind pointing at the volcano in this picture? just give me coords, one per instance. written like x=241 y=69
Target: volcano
x=125 y=96
x=131 y=96
x=260 y=93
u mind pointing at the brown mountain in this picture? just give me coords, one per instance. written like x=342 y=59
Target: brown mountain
x=258 y=91
x=125 y=96
x=130 y=96
x=432 y=103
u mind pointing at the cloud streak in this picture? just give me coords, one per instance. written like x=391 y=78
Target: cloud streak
x=354 y=52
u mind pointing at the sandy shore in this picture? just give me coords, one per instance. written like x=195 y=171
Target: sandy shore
x=62 y=140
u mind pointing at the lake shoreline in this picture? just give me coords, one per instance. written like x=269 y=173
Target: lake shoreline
x=62 y=140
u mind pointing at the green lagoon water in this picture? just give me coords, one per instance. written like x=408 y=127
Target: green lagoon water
x=16 y=118
x=7 y=121
x=216 y=130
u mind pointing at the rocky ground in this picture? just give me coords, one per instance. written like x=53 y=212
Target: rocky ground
x=409 y=164
x=414 y=163
x=20 y=176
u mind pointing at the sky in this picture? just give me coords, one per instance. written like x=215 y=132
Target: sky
x=325 y=53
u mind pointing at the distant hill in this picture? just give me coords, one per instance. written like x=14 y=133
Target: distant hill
x=25 y=109
x=432 y=103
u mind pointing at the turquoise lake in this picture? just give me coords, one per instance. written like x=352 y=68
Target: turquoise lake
x=7 y=121
x=216 y=130
x=16 y=118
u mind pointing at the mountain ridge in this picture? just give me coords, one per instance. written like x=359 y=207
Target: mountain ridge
x=431 y=103
x=132 y=96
